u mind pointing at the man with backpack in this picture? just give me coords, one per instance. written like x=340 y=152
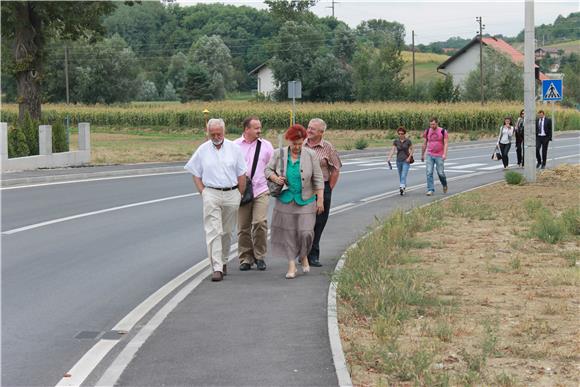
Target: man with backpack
x=436 y=143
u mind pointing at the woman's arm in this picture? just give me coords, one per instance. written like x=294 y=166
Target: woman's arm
x=393 y=149
x=319 y=201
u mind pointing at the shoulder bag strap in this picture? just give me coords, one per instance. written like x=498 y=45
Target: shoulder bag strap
x=256 y=154
x=282 y=161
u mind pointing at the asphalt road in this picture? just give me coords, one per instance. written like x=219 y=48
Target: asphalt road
x=79 y=257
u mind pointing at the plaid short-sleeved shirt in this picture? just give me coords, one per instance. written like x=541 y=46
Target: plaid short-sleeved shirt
x=328 y=156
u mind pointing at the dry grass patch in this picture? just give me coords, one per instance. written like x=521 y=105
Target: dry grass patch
x=504 y=302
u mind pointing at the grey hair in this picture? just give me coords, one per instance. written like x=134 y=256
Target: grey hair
x=319 y=121
x=216 y=122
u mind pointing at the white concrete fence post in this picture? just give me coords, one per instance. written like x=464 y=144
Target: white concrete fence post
x=45 y=140
x=3 y=141
x=84 y=136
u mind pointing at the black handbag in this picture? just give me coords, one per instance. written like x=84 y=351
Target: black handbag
x=496 y=155
x=248 y=195
x=275 y=188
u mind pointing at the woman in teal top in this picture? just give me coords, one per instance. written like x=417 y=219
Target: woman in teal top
x=296 y=208
x=294 y=190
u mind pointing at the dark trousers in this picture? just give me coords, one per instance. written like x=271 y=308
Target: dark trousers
x=520 y=151
x=542 y=142
x=505 y=150
x=321 y=219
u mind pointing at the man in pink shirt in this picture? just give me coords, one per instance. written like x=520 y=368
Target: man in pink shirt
x=253 y=216
x=436 y=143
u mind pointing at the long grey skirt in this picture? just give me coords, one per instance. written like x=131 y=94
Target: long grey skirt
x=292 y=229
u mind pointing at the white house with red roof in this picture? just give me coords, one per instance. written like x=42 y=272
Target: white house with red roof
x=466 y=59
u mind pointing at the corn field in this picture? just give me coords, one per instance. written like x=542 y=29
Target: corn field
x=460 y=117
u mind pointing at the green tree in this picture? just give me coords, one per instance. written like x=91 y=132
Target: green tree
x=285 y=10
x=198 y=84
x=502 y=79
x=148 y=91
x=295 y=49
x=571 y=70
x=214 y=55
x=442 y=90
x=108 y=75
x=169 y=93
x=28 y=25
x=328 y=80
x=382 y=33
x=378 y=73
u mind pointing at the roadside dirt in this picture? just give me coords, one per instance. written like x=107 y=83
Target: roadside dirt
x=515 y=300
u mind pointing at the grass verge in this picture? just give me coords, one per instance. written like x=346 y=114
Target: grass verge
x=494 y=304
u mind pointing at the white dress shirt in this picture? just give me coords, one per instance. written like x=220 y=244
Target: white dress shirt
x=217 y=168
x=542 y=132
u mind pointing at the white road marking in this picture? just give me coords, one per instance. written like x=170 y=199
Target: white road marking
x=373 y=164
x=362 y=170
x=78 y=216
x=87 y=180
x=499 y=166
x=468 y=165
x=87 y=363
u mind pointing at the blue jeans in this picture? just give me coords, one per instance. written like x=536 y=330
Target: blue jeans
x=403 y=169
x=431 y=161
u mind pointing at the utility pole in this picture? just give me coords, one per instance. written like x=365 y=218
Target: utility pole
x=529 y=94
x=67 y=93
x=413 y=42
x=481 y=27
x=66 y=72
x=332 y=6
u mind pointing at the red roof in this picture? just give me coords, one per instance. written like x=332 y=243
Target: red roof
x=497 y=44
x=503 y=47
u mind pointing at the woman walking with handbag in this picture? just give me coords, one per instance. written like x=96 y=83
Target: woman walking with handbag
x=297 y=205
x=506 y=132
x=404 y=148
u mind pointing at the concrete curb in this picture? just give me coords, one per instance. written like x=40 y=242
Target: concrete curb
x=339 y=360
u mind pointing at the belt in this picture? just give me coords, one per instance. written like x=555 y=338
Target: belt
x=225 y=189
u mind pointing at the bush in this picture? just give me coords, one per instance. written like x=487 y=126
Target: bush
x=548 y=228
x=17 y=146
x=514 y=178
x=30 y=130
x=59 y=139
x=571 y=220
x=361 y=144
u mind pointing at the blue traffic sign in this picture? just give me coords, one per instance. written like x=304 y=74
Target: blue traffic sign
x=552 y=90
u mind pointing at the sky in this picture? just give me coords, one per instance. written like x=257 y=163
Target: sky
x=436 y=20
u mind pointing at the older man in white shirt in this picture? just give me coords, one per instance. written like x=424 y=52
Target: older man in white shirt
x=218 y=168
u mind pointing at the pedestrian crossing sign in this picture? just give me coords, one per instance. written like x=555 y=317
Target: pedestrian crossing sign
x=552 y=90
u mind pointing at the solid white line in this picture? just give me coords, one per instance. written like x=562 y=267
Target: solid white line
x=87 y=180
x=66 y=219
x=373 y=164
x=113 y=373
x=458 y=170
x=566 y=157
x=87 y=363
x=133 y=317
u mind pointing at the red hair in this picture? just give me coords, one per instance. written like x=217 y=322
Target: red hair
x=295 y=132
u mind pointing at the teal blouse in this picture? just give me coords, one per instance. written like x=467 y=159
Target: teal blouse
x=294 y=181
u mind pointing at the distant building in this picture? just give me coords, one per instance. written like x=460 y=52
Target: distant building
x=541 y=53
x=466 y=59
x=449 y=50
x=265 y=77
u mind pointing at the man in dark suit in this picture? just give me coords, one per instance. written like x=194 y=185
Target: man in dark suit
x=543 y=137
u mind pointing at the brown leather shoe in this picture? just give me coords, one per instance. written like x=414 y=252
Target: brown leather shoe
x=217 y=276
x=225 y=269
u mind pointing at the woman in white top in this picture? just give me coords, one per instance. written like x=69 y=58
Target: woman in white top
x=506 y=132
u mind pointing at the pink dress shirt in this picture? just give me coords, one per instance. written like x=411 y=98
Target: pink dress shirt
x=248 y=149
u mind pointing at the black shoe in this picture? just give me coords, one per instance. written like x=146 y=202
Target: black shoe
x=543 y=166
x=260 y=264
x=245 y=266
x=538 y=165
x=314 y=262
x=401 y=191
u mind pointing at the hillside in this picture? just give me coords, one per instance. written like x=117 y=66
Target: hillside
x=425 y=66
